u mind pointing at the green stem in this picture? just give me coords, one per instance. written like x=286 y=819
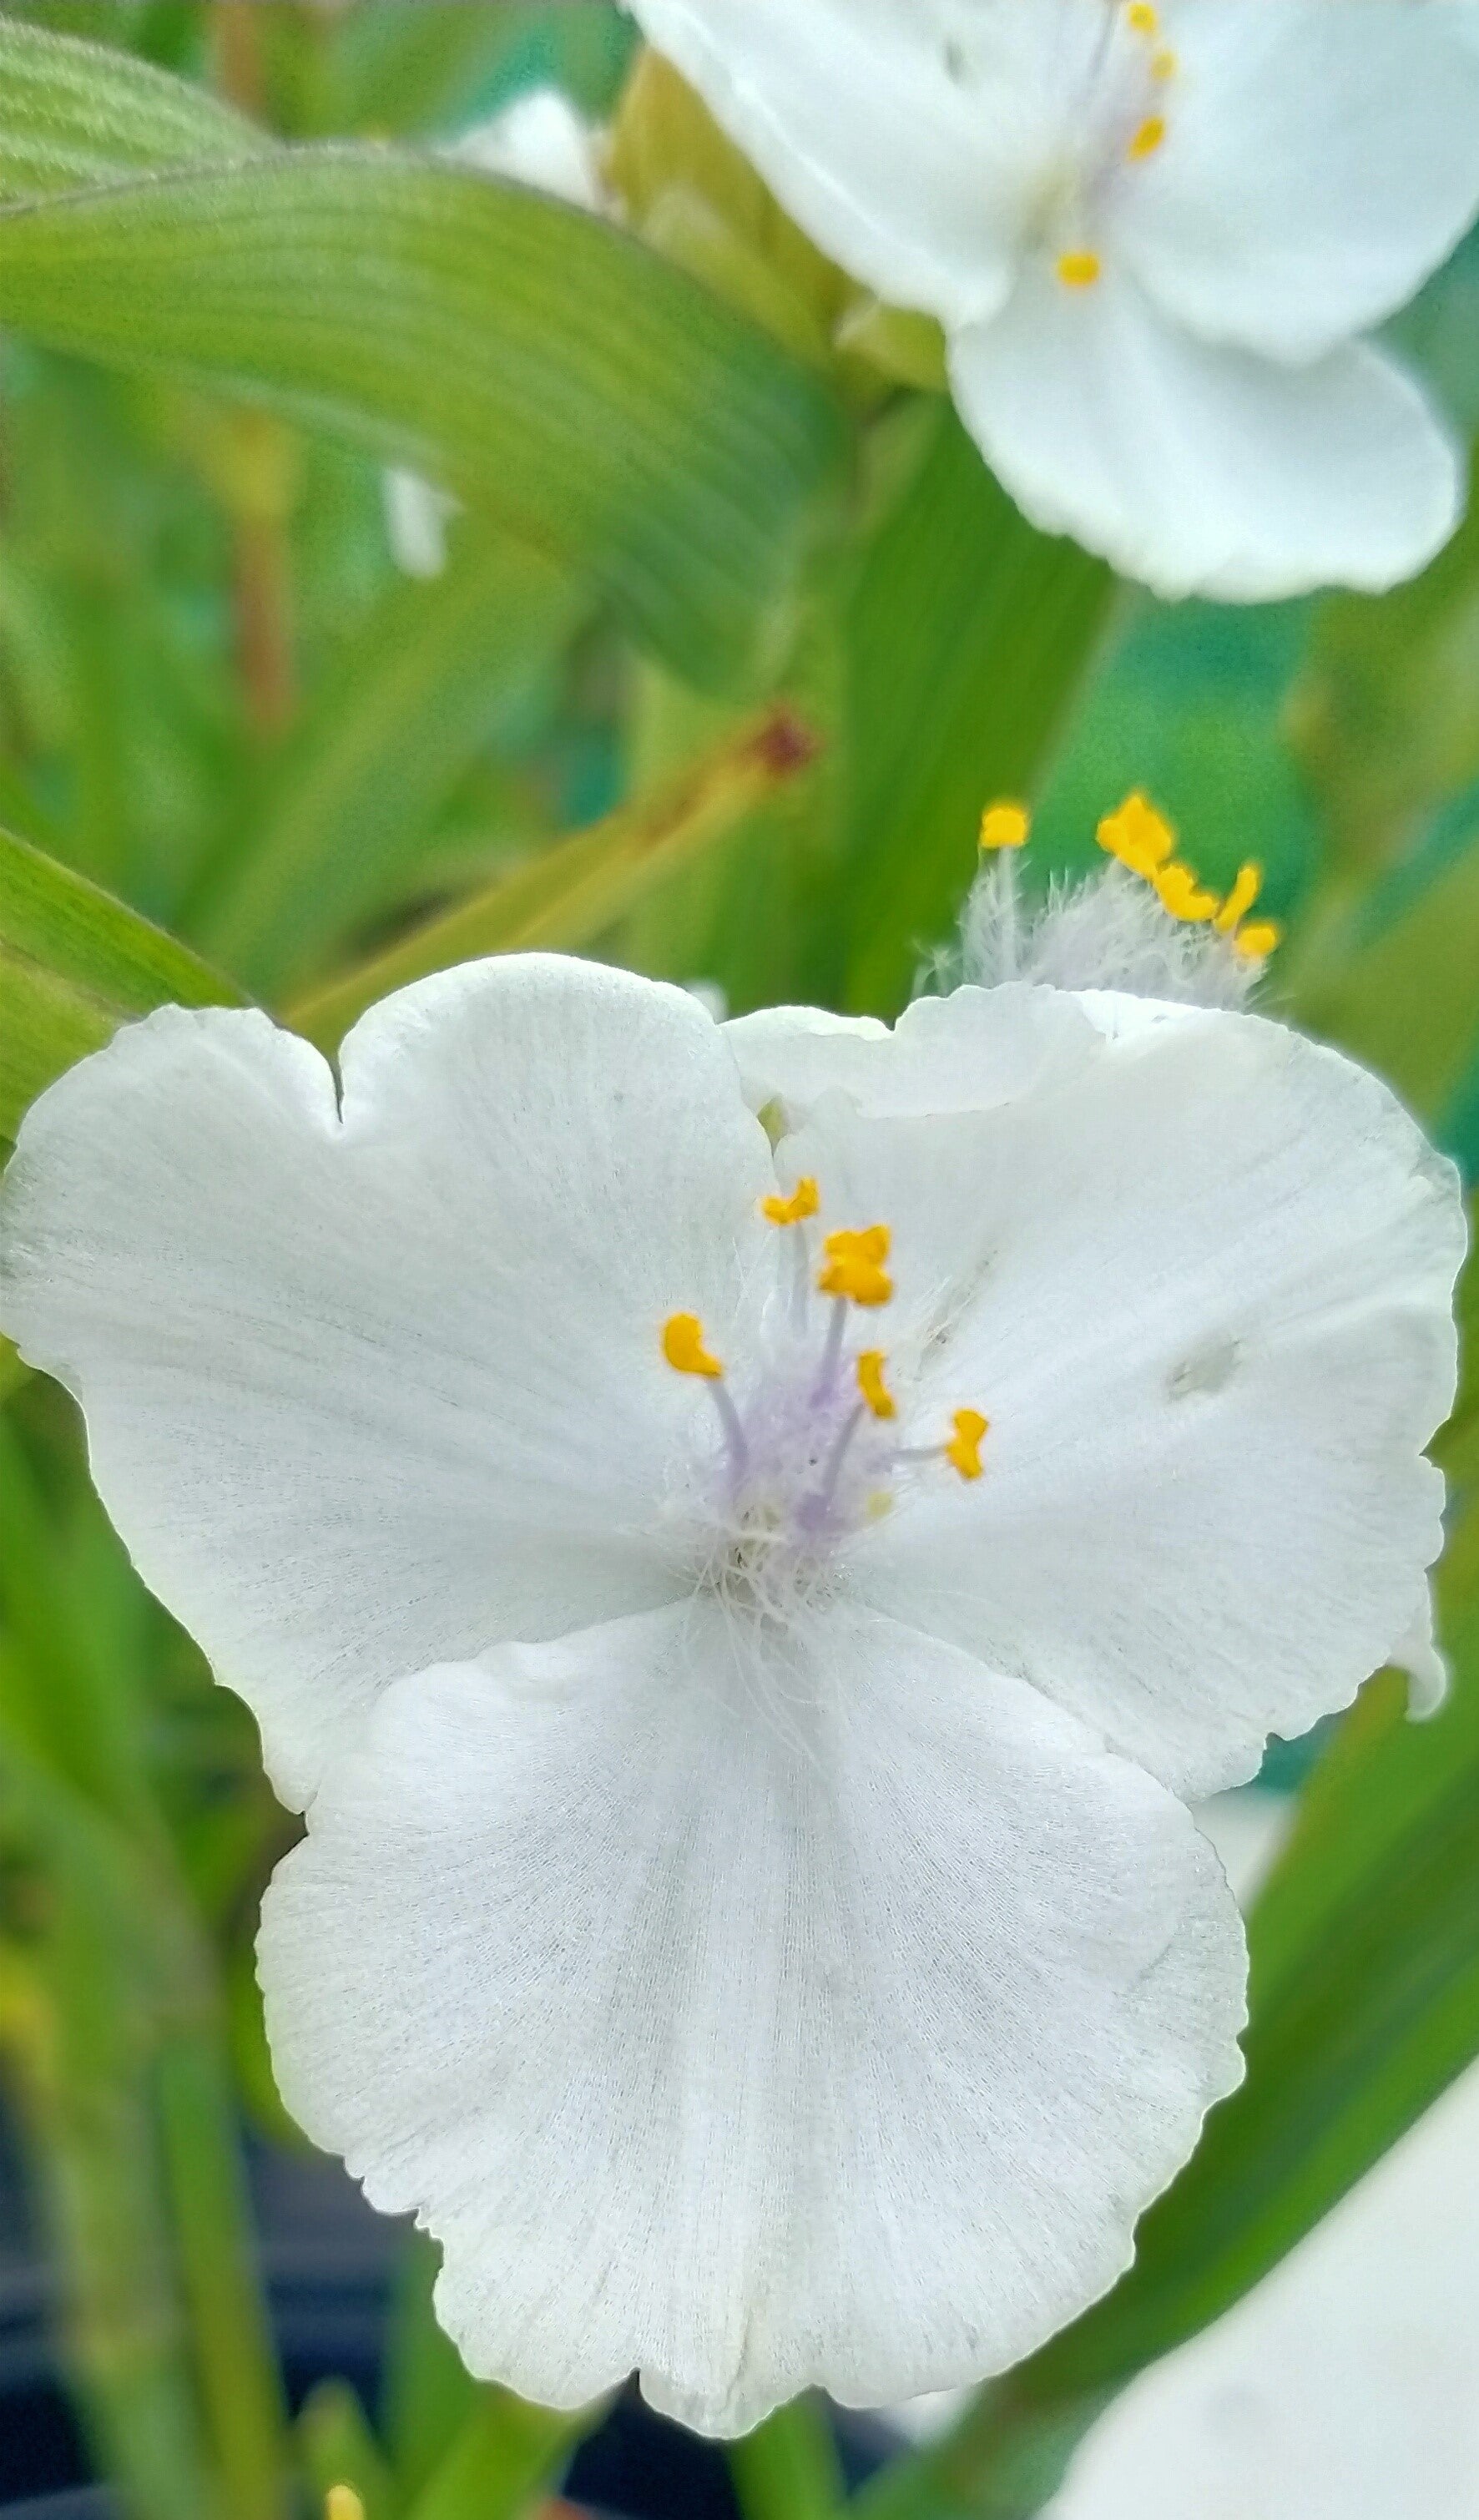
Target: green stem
x=236 y=2364
x=787 y=2468
x=94 y=2142
x=505 y=2455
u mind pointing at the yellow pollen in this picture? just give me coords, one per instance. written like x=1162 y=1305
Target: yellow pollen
x=1164 y=64
x=1143 y=17
x=1258 y=939
x=855 y=1266
x=964 y=1451
x=804 y=1202
x=1006 y=826
x=1150 y=137
x=682 y=1346
x=875 y=1392
x=1183 y=896
x=1079 y=270
x=1240 y=899
x=341 y=2502
x=1138 y=837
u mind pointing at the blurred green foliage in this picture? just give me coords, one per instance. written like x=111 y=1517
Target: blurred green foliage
x=735 y=637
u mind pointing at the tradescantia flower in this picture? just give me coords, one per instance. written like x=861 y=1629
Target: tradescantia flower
x=740 y=1537
x=1153 y=236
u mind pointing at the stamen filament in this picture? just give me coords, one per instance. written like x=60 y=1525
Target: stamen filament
x=816 y=1509
x=735 y=1441
x=831 y=1353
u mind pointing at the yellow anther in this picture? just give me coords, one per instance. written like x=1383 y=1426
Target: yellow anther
x=1183 y=896
x=1258 y=939
x=1006 y=826
x=855 y=1266
x=682 y=1346
x=1079 y=270
x=1240 y=899
x=964 y=1451
x=1164 y=64
x=341 y=2502
x=1143 y=17
x=1138 y=837
x=877 y=1395
x=1151 y=136
x=804 y=1202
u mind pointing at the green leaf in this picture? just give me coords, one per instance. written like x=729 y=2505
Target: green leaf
x=970 y=634
x=75 y=963
x=787 y=2468
x=338 y=2448
x=548 y=368
x=1384 y=720
x=504 y=2451
x=12 y=1373
x=408 y=707
x=1365 y=2009
x=569 y=893
x=428 y=2391
x=1399 y=993
x=73 y=115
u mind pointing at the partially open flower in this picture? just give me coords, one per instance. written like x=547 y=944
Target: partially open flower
x=740 y=1595
x=1153 y=236
x=1145 y=926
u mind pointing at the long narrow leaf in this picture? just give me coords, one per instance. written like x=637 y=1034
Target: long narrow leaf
x=569 y=894
x=594 y=401
x=75 y=963
x=73 y=114
x=970 y=635
x=406 y=710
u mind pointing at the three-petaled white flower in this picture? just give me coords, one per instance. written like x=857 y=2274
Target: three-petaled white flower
x=1153 y=235
x=739 y=1537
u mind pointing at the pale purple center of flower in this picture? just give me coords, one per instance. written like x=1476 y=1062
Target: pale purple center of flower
x=812 y=1439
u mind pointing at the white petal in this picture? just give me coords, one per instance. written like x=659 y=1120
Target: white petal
x=417 y=517
x=370 y=1391
x=1321 y=160
x=1199 y=470
x=966 y=1053
x=542 y=140
x=849 y=111
x=1345 y=2388
x=759 y=2025
x=1203 y=1296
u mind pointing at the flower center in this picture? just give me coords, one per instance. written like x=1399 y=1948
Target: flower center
x=812 y=1446
x=1123 y=123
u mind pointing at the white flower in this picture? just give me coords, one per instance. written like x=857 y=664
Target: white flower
x=1346 y=2386
x=542 y=140
x=746 y=1910
x=1153 y=236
